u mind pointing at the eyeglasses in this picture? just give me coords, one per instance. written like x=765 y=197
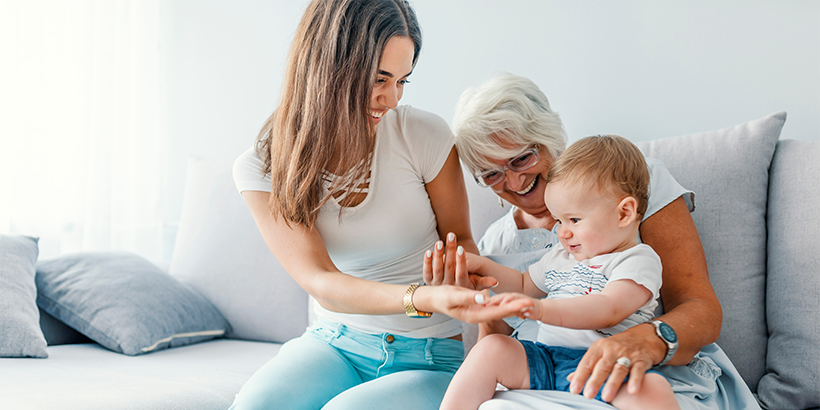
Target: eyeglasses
x=522 y=162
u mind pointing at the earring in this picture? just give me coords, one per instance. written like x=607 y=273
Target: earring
x=500 y=202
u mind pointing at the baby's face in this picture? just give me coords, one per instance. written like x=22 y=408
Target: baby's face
x=587 y=220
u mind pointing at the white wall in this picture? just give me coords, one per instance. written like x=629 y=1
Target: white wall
x=643 y=69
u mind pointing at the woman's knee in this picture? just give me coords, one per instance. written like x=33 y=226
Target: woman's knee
x=306 y=373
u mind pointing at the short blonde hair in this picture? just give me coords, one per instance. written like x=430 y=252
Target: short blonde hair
x=506 y=108
x=610 y=163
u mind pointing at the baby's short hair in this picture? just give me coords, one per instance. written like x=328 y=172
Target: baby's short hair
x=610 y=163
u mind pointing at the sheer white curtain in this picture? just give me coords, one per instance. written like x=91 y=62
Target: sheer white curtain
x=81 y=132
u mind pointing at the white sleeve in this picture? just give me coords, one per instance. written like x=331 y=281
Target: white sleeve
x=430 y=141
x=247 y=173
x=663 y=189
x=639 y=264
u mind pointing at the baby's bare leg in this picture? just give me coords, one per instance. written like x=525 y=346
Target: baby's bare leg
x=655 y=393
x=495 y=359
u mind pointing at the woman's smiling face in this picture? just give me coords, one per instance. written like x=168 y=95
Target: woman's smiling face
x=525 y=189
x=395 y=66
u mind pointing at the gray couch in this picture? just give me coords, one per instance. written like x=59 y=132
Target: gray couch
x=756 y=212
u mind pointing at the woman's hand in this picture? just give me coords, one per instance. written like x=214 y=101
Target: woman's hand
x=450 y=265
x=460 y=303
x=639 y=344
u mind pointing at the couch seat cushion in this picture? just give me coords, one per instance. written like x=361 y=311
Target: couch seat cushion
x=86 y=376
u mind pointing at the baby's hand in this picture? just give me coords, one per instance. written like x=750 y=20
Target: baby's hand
x=527 y=307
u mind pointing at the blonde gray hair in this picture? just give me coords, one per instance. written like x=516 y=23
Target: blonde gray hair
x=500 y=118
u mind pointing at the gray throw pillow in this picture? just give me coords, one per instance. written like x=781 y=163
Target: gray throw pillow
x=792 y=380
x=220 y=253
x=124 y=302
x=728 y=169
x=20 y=334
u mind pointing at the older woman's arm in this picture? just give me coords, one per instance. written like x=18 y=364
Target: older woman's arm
x=692 y=309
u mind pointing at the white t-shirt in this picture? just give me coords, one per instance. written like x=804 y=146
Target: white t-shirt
x=561 y=276
x=383 y=238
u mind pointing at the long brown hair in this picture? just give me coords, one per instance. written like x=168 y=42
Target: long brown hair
x=322 y=122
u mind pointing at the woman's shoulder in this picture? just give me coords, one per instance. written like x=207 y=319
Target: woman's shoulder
x=664 y=188
x=415 y=121
x=248 y=174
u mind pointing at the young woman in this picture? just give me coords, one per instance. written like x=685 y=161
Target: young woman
x=349 y=190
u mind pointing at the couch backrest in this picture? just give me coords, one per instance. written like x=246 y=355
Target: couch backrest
x=792 y=377
x=728 y=170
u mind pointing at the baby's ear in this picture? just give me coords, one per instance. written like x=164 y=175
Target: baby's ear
x=627 y=211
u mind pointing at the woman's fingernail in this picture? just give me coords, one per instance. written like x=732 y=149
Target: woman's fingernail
x=451 y=236
x=479 y=298
x=496 y=285
x=428 y=254
x=460 y=250
x=439 y=245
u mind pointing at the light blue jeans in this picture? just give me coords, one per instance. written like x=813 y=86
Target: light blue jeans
x=334 y=367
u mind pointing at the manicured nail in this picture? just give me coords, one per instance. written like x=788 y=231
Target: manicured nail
x=428 y=254
x=460 y=250
x=496 y=285
x=439 y=245
x=479 y=298
x=451 y=237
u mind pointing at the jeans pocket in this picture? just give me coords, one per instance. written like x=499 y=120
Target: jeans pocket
x=324 y=333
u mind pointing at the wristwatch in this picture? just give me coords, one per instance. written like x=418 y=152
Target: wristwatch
x=409 y=307
x=668 y=335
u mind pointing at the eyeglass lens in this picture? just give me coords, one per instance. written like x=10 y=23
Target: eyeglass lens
x=517 y=164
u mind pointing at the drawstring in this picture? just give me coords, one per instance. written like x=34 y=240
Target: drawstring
x=389 y=354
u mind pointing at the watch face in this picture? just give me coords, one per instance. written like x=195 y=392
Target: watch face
x=668 y=333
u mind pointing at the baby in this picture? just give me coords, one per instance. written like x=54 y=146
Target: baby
x=598 y=281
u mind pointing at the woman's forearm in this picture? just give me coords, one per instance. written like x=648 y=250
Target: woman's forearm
x=696 y=325
x=691 y=306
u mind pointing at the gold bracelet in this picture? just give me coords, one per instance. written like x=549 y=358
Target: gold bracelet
x=409 y=307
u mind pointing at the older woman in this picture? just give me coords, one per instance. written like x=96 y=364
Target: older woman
x=508 y=136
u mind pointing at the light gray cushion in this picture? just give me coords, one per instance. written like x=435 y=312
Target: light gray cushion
x=793 y=283
x=220 y=253
x=124 y=302
x=728 y=170
x=20 y=334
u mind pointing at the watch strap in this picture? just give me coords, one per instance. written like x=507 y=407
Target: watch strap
x=409 y=307
x=671 y=345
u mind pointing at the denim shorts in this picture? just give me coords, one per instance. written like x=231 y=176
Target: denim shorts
x=550 y=366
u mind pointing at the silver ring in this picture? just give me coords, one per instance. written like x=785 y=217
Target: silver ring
x=624 y=361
